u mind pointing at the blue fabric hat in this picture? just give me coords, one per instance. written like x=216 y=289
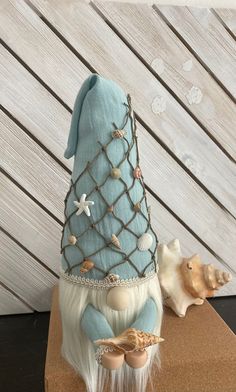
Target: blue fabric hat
x=110 y=243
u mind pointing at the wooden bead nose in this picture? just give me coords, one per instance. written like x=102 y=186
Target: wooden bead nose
x=118 y=298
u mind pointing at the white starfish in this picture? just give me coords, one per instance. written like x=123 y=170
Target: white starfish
x=83 y=205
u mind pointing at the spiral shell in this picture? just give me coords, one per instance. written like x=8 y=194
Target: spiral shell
x=130 y=340
x=145 y=241
x=201 y=280
x=186 y=281
x=115 y=241
x=137 y=173
x=118 y=133
x=86 y=266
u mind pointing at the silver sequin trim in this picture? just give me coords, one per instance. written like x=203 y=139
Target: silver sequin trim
x=104 y=284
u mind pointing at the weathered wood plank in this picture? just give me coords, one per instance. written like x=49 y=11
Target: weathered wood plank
x=35 y=170
x=24 y=275
x=202 y=213
x=175 y=127
x=104 y=59
x=23 y=96
x=228 y=16
x=29 y=224
x=168 y=228
x=10 y=304
x=58 y=66
x=216 y=49
x=155 y=42
x=188 y=142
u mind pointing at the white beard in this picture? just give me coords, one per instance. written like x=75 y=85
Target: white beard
x=79 y=351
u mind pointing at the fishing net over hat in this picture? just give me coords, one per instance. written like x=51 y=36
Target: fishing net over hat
x=107 y=233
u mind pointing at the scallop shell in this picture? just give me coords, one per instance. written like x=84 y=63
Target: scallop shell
x=115 y=241
x=115 y=173
x=118 y=133
x=186 y=281
x=130 y=340
x=72 y=239
x=137 y=173
x=145 y=241
x=86 y=266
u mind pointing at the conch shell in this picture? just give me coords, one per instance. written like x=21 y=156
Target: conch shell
x=186 y=281
x=130 y=340
x=201 y=280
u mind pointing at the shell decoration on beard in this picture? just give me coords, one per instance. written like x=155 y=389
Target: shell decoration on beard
x=186 y=281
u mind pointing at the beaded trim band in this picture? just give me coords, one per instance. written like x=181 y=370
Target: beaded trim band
x=100 y=351
x=105 y=284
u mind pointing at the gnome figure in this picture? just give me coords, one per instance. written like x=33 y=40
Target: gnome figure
x=110 y=298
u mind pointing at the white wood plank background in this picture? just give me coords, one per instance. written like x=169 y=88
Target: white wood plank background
x=48 y=49
x=216 y=51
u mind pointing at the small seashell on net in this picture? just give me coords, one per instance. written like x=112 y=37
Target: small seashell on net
x=115 y=173
x=110 y=209
x=145 y=242
x=137 y=207
x=112 y=278
x=72 y=239
x=86 y=266
x=130 y=340
x=115 y=241
x=137 y=173
x=118 y=133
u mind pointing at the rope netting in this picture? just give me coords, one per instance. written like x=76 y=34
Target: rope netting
x=110 y=210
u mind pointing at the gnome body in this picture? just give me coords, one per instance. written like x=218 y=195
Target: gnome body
x=110 y=297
